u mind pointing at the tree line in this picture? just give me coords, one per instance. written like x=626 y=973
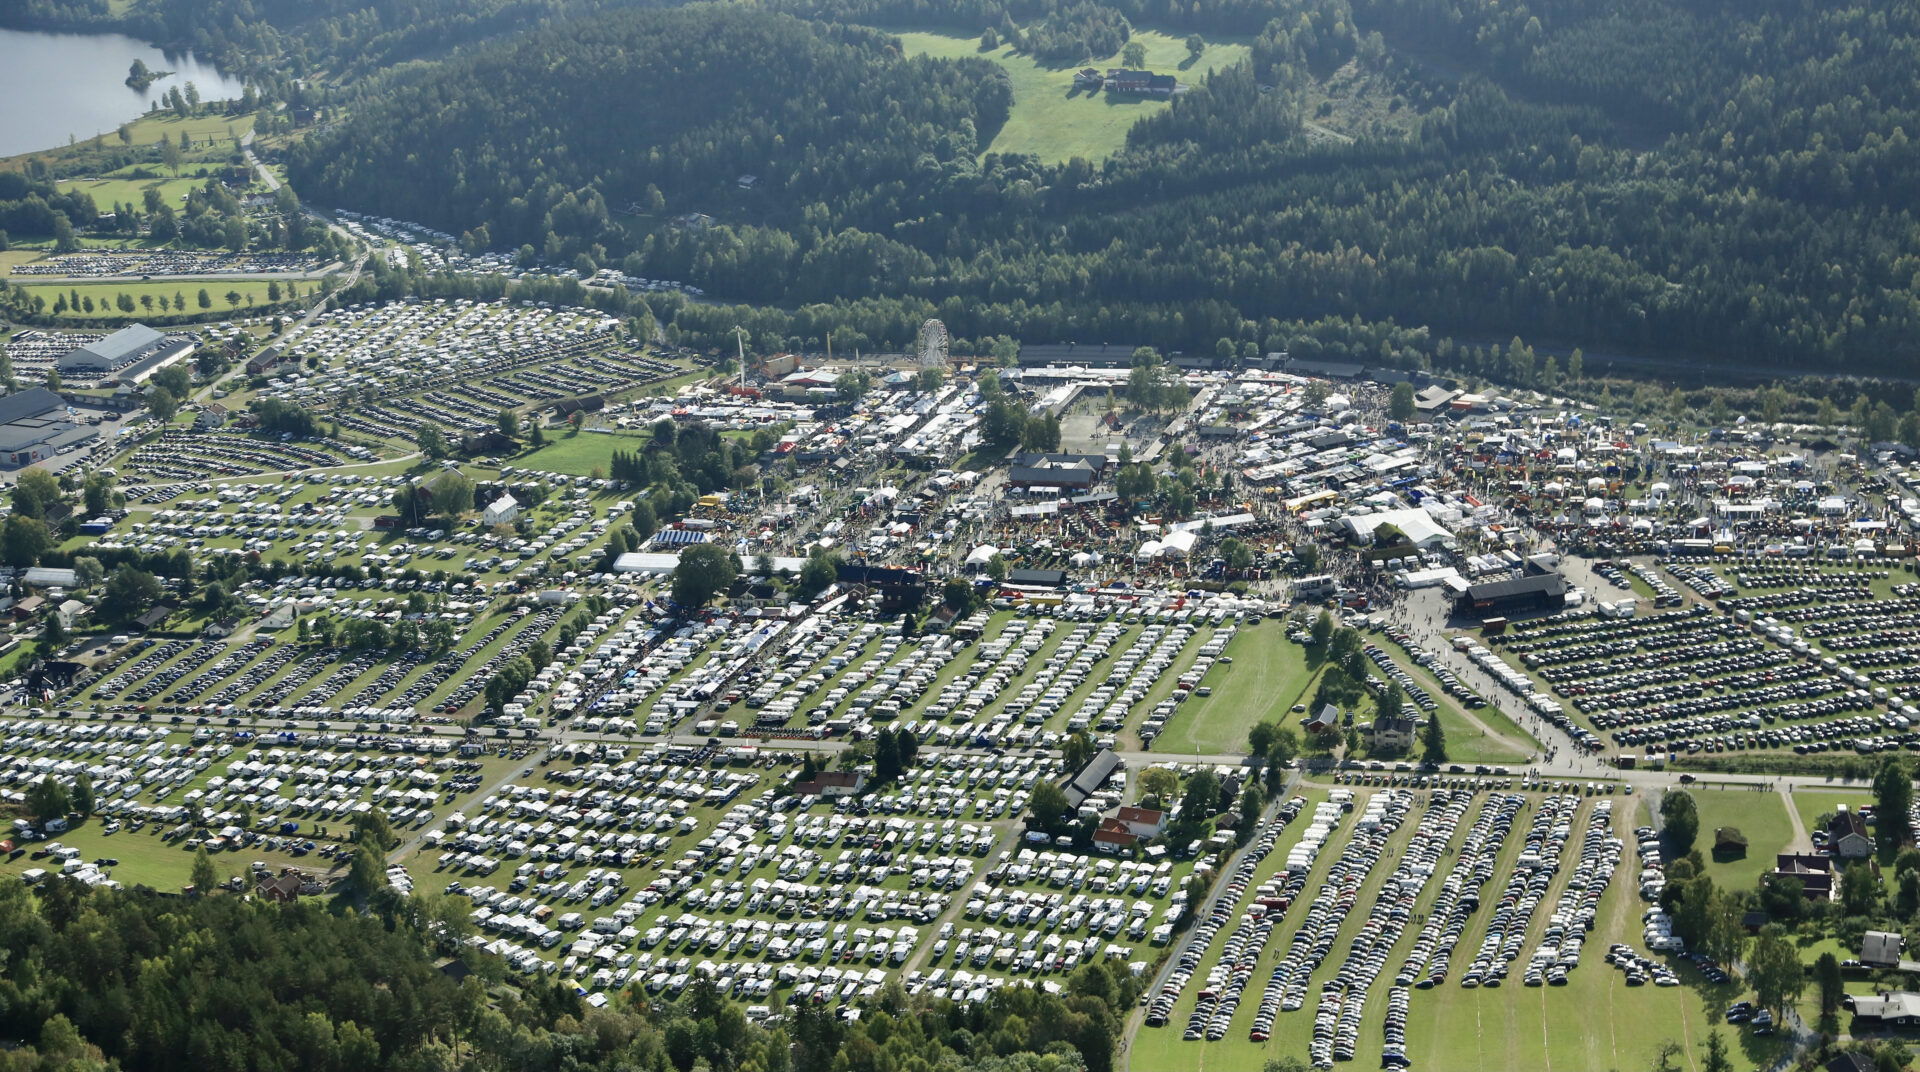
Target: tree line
x=100 y=979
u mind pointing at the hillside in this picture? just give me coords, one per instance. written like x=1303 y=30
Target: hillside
x=711 y=110
x=1681 y=175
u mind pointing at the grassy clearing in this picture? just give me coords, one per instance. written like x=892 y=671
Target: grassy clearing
x=1269 y=675
x=1468 y=743
x=146 y=859
x=1358 y=100
x=148 y=130
x=578 y=455
x=105 y=192
x=209 y=140
x=1761 y=816
x=11 y=258
x=104 y=295
x=1055 y=122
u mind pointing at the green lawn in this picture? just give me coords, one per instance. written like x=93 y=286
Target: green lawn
x=579 y=455
x=1268 y=676
x=146 y=859
x=132 y=191
x=1761 y=816
x=149 y=129
x=11 y=258
x=1051 y=119
x=1468 y=743
x=105 y=294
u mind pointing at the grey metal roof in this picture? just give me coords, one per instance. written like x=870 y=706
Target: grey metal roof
x=29 y=403
x=124 y=345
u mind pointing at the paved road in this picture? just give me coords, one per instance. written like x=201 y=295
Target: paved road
x=1008 y=838
x=246 y=146
x=418 y=838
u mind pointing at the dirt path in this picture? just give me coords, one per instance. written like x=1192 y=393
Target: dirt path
x=1801 y=842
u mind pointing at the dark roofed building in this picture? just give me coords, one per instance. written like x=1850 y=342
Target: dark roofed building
x=1041 y=578
x=836 y=783
x=1435 y=398
x=1393 y=733
x=1848 y=828
x=1546 y=591
x=28 y=404
x=1091 y=777
x=1075 y=476
x=1092 y=355
x=1813 y=873
x=1898 y=1009
x=1332 y=370
x=1882 y=949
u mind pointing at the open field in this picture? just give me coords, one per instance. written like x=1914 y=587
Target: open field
x=1468 y=743
x=1056 y=122
x=105 y=192
x=12 y=257
x=1761 y=816
x=1268 y=676
x=578 y=455
x=104 y=295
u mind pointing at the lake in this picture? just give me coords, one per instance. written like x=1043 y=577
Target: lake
x=75 y=84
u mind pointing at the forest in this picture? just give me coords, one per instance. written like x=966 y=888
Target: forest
x=710 y=106
x=1580 y=182
x=1648 y=178
x=98 y=979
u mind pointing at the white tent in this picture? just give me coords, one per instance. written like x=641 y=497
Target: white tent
x=1180 y=544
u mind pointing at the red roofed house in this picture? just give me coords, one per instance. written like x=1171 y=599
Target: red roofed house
x=832 y=784
x=1144 y=822
x=1113 y=836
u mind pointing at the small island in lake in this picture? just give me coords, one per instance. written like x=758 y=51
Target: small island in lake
x=140 y=76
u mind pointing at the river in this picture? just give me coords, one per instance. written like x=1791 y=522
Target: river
x=58 y=85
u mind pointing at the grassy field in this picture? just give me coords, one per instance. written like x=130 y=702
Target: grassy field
x=146 y=859
x=1268 y=676
x=148 y=130
x=132 y=191
x=208 y=137
x=1055 y=122
x=577 y=455
x=104 y=294
x=1468 y=743
x=13 y=257
x=1762 y=817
